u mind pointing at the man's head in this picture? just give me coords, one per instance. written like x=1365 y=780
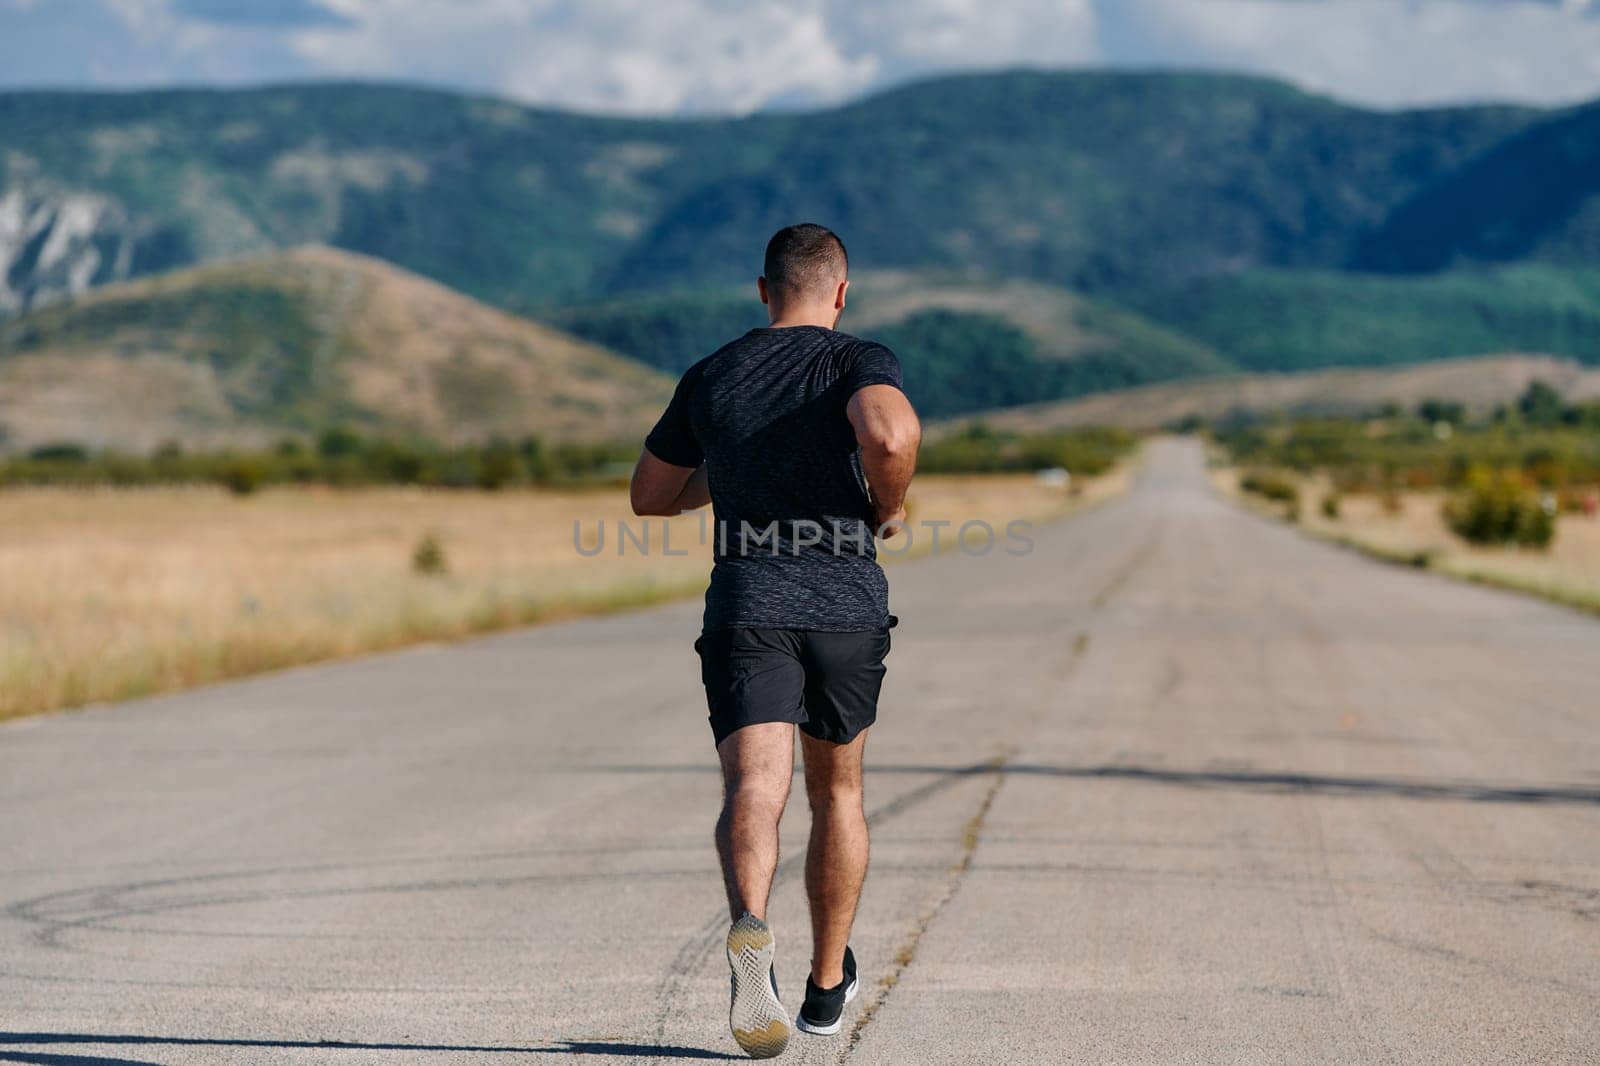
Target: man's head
x=805 y=275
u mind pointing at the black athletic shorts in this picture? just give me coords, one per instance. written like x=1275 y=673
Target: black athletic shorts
x=825 y=683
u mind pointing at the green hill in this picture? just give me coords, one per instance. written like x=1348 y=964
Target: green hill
x=1094 y=181
x=1293 y=320
x=514 y=205
x=966 y=345
x=247 y=351
x=1534 y=195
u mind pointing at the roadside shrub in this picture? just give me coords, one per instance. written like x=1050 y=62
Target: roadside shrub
x=979 y=448
x=1419 y=478
x=1498 y=507
x=65 y=452
x=1446 y=411
x=428 y=557
x=498 y=466
x=1396 y=457
x=1330 y=506
x=337 y=441
x=395 y=462
x=242 y=476
x=339 y=458
x=1272 y=486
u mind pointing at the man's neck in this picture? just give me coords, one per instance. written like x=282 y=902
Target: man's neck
x=826 y=318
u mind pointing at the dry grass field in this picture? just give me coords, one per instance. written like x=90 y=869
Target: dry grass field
x=1415 y=532
x=110 y=594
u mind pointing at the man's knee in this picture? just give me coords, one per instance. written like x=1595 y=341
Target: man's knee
x=834 y=795
x=756 y=795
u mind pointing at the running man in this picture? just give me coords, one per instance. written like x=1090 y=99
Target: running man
x=803 y=442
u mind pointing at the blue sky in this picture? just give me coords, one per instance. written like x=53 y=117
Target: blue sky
x=678 y=56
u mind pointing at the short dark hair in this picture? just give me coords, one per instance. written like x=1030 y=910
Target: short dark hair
x=804 y=260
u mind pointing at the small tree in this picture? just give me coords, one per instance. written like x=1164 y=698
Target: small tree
x=336 y=442
x=1540 y=405
x=243 y=476
x=497 y=466
x=1499 y=507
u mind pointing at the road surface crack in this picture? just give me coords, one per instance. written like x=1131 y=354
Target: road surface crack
x=1130 y=566
x=907 y=952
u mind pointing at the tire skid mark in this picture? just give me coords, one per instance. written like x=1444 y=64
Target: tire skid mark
x=1326 y=941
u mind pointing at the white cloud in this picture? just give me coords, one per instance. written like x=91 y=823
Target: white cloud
x=975 y=33
x=672 y=56
x=711 y=55
x=1379 y=51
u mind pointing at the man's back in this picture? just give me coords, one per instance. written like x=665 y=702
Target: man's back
x=766 y=413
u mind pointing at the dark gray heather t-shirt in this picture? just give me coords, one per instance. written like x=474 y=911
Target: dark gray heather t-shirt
x=792 y=522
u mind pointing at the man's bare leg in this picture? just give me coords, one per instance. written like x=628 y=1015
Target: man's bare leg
x=757 y=767
x=836 y=859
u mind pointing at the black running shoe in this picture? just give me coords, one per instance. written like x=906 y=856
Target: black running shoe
x=823 y=1011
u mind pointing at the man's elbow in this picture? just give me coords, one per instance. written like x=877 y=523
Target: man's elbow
x=897 y=442
x=644 y=507
x=641 y=500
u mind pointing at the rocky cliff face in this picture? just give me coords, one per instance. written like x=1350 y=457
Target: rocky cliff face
x=55 y=245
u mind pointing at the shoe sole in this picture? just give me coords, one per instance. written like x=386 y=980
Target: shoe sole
x=814 y=1029
x=759 y=1023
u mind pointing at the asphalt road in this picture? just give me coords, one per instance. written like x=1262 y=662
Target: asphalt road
x=1179 y=786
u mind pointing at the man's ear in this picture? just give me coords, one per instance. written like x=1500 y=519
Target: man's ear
x=761 y=287
x=838 y=297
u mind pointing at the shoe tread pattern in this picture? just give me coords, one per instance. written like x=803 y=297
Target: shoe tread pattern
x=759 y=1023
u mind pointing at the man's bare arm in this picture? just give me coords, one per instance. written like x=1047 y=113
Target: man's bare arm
x=889 y=434
x=660 y=488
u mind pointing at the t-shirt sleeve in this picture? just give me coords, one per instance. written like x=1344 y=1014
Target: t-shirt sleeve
x=672 y=440
x=873 y=365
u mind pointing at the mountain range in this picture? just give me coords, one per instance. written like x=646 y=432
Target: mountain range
x=1066 y=231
